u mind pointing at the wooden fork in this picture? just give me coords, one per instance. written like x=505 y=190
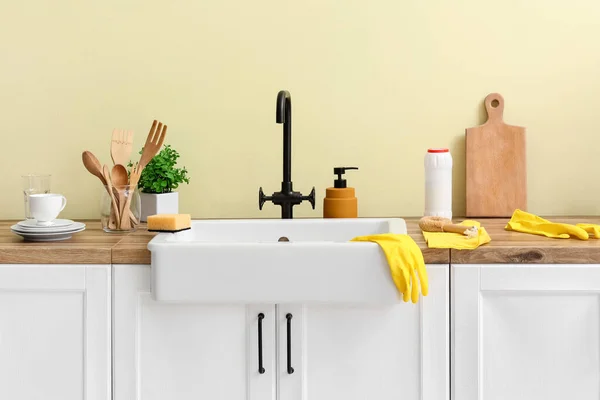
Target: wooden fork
x=154 y=141
x=120 y=146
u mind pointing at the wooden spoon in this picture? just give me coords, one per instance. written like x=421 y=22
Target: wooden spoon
x=91 y=163
x=119 y=181
x=119 y=175
x=93 y=166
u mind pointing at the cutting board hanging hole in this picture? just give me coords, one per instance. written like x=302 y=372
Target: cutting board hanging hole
x=494 y=105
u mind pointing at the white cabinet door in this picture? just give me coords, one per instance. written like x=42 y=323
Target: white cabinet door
x=54 y=332
x=188 y=351
x=384 y=352
x=525 y=332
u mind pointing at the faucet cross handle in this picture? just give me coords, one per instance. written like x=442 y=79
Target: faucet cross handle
x=262 y=198
x=310 y=198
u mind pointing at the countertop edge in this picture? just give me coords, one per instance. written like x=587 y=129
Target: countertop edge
x=94 y=246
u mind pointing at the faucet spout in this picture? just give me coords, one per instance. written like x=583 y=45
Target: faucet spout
x=284 y=116
x=284 y=100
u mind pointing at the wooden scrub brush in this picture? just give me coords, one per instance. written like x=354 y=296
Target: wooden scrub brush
x=440 y=224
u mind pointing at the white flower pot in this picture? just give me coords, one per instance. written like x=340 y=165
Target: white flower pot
x=165 y=203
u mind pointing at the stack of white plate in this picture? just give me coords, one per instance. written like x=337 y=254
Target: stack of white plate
x=59 y=229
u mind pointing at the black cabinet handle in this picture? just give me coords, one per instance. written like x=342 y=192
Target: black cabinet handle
x=289 y=317
x=261 y=369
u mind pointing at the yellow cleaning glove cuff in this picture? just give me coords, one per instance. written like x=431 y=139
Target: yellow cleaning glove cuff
x=525 y=222
x=405 y=261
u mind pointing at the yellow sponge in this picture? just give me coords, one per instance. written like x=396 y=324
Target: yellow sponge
x=169 y=222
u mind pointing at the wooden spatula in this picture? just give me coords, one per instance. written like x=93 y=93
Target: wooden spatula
x=120 y=146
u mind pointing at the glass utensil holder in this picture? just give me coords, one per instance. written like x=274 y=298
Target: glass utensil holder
x=120 y=210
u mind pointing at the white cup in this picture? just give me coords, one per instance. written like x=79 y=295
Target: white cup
x=45 y=207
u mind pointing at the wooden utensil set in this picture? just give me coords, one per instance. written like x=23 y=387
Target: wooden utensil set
x=118 y=182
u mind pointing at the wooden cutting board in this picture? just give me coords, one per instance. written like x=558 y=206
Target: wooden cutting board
x=495 y=165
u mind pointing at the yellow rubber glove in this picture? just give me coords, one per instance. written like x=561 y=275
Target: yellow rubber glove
x=404 y=257
x=592 y=229
x=525 y=222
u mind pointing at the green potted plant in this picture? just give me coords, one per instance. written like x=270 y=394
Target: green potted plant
x=158 y=181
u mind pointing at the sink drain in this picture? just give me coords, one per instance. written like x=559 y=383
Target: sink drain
x=283 y=239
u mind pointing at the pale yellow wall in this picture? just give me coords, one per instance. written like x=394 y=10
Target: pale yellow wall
x=373 y=84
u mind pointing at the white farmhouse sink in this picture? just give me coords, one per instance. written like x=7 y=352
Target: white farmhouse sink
x=243 y=261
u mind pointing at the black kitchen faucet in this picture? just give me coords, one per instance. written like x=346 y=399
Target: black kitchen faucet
x=286 y=198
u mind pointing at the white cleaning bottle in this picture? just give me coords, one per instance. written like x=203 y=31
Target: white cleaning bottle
x=438 y=183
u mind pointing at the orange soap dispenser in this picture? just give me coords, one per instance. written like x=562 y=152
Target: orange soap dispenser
x=340 y=201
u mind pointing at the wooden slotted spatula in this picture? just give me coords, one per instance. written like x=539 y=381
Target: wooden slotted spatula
x=120 y=146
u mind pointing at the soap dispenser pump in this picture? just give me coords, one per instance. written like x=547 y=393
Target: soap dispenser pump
x=340 y=201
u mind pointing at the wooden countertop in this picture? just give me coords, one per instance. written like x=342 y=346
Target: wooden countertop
x=509 y=247
x=94 y=246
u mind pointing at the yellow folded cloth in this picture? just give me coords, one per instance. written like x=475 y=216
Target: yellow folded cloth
x=448 y=240
x=404 y=257
x=525 y=222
